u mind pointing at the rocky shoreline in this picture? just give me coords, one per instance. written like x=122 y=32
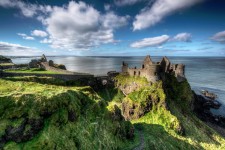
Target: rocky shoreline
x=202 y=105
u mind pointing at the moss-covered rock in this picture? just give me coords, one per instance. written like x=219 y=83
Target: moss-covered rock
x=41 y=116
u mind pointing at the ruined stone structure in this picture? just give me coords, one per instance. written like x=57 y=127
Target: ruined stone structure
x=154 y=71
x=47 y=65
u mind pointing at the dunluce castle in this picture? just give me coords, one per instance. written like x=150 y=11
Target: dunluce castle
x=155 y=71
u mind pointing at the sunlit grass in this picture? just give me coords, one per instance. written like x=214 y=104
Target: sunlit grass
x=31 y=70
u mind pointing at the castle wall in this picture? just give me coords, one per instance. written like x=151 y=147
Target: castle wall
x=46 y=66
x=155 y=71
x=151 y=73
x=65 y=77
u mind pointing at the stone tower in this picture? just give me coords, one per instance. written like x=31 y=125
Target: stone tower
x=165 y=64
x=124 y=67
x=147 y=62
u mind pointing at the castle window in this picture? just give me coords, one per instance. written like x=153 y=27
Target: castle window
x=139 y=73
x=143 y=66
x=134 y=73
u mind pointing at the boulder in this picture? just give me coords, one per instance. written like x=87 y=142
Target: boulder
x=34 y=63
x=51 y=63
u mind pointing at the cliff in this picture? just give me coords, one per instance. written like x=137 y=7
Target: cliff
x=46 y=116
x=47 y=113
x=5 y=59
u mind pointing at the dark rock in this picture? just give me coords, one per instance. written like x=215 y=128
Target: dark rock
x=51 y=63
x=116 y=114
x=72 y=116
x=60 y=66
x=33 y=64
x=133 y=110
x=5 y=59
x=180 y=130
x=202 y=107
x=20 y=133
x=209 y=95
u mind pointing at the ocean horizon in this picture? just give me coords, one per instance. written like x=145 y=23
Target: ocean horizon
x=203 y=73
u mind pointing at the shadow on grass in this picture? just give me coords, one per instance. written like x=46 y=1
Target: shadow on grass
x=154 y=136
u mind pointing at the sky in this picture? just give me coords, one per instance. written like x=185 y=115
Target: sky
x=112 y=27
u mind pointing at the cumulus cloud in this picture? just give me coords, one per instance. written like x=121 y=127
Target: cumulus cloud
x=39 y=33
x=219 y=37
x=76 y=26
x=27 y=9
x=183 y=37
x=111 y=20
x=79 y=26
x=26 y=37
x=17 y=49
x=150 y=16
x=126 y=2
x=46 y=41
x=148 y=42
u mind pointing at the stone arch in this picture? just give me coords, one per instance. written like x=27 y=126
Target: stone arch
x=134 y=73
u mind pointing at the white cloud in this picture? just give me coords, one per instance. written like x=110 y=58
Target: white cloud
x=219 y=37
x=79 y=26
x=126 y=2
x=26 y=37
x=46 y=41
x=39 y=33
x=27 y=9
x=150 y=16
x=184 y=37
x=148 y=42
x=111 y=20
x=17 y=49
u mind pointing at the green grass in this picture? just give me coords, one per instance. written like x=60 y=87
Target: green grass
x=6 y=64
x=32 y=70
x=98 y=123
x=122 y=80
x=161 y=127
x=93 y=127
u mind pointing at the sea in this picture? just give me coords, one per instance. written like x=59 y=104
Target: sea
x=203 y=73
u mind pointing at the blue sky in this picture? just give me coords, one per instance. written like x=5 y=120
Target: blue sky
x=112 y=27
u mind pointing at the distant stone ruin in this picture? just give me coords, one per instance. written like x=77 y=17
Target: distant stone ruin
x=154 y=71
x=43 y=63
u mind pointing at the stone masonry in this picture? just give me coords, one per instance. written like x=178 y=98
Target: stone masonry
x=154 y=71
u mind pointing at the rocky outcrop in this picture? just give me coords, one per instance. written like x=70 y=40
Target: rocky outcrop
x=202 y=107
x=209 y=95
x=5 y=59
x=132 y=110
x=24 y=132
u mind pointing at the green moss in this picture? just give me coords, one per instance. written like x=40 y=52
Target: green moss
x=6 y=64
x=91 y=128
x=31 y=70
x=122 y=80
x=171 y=112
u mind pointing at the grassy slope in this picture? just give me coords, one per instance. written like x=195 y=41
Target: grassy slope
x=33 y=70
x=93 y=127
x=6 y=64
x=95 y=130
x=161 y=126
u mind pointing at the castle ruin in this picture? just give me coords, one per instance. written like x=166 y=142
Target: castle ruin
x=154 y=71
